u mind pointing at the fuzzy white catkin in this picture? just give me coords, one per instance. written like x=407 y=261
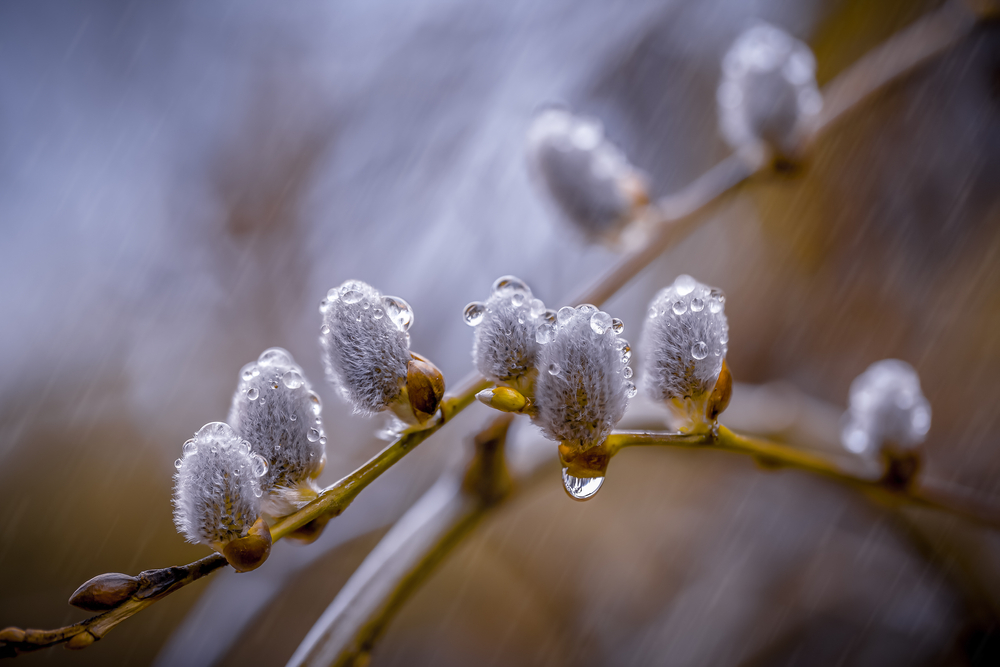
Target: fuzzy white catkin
x=277 y=412
x=505 y=346
x=366 y=349
x=582 y=388
x=587 y=176
x=217 y=486
x=768 y=88
x=684 y=340
x=886 y=406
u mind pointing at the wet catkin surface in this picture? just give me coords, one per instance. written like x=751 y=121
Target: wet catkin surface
x=181 y=184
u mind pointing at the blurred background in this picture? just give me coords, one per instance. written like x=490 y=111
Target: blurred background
x=181 y=182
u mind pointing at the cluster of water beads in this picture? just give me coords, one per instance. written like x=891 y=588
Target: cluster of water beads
x=519 y=294
x=351 y=292
x=687 y=300
x=886 y=406
x=220 y=436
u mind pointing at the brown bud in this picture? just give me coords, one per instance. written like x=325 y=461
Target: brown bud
x=425 y=387
x=250 y=552
x=105 y=591
x=505 y=399
x=721 y=393
x=12 y=635
x=82 y=640
x=310 y=532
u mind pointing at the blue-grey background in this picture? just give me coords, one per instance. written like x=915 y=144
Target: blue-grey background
x=181 y=182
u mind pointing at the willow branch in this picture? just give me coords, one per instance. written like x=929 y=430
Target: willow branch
x=157 y=584
x=775 y=455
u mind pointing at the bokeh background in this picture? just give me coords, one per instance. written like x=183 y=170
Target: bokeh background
x=181 y=182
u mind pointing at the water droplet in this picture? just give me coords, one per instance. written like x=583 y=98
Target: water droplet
x=554 y=368
x=697 y=305
x=627 y=372
x=292 y=380
x=630 y=389
x=545 y=333
x=274 y=356
x=257 y=491
x=474 y=313
x=366 y=305
x=716 y=300
x=313 y=435
x=564 y=315
x=699 y=350
x=517 y=299
x=247 y=372
x=536 y=308
x=684 y=284
x=324 y=330
x=322 y=441
x=317 y=405
x=352 y=296
x=292 y=417
x=679 y=307
x=178 y=463
x=600 y=322
x=333 y=293
x=190 y=448
x=549 y=316
x=855 y=438
x=324 y=305
x=622 y=346
x=377 y=313
x=581 y=488
x=357 y=317
x=724 y=336
x=259 y=465
x=652 y=312
x=509 y=284
x=617 y=326
x=398 y=311
x=586 y=308
x=245 y=448
x=253 y=393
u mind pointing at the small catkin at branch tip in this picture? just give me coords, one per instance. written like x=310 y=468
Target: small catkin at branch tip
x=768 y=91
x=685 y=340
x=277 y=412
x=217 y=495
x=887 y=409
x=588 y=177
x=583 y=384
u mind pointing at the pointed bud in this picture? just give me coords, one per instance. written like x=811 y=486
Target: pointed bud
x=105 y=591
x=504 y=399
x=887 y=409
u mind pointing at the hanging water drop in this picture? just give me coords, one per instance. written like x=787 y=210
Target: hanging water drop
x=474 y=313
x=581 y=488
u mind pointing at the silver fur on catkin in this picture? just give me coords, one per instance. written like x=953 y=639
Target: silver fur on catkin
x=505 y=346
x=366 y=349
x=886 y=407
x=587 y=176
x=768 y=89
x=583 y=382
x=217 y=487
x=277 y=412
